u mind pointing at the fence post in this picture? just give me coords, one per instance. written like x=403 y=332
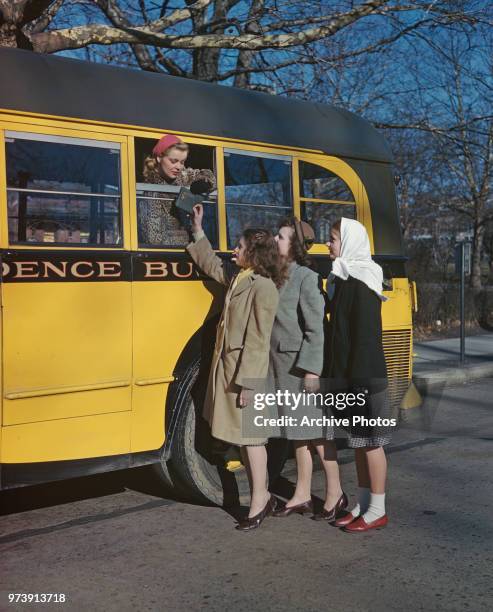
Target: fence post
x=463 y=267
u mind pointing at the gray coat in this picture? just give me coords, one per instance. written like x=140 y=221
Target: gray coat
x=297 y=347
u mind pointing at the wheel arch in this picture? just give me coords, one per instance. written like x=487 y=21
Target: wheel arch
x=197 y=353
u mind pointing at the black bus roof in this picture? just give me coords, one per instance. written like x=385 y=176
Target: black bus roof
x=64 y=87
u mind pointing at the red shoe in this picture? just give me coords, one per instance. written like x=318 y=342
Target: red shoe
x=360 y=525
x=345 y=519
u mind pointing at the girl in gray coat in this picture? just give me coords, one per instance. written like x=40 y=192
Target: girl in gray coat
x=295 y=364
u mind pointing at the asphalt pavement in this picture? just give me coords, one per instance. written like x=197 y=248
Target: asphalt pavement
x=113 y=543
x=479 y=348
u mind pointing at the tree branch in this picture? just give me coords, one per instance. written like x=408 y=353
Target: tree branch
x=269 y=68
x=46 y=18
x=81 y=36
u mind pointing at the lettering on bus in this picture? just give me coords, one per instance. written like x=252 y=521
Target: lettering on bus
x=26 y=266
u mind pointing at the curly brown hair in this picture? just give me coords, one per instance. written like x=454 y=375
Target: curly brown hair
x=297 y=252
x=263 y=256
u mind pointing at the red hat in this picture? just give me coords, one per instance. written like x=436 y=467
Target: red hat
x=164 y=143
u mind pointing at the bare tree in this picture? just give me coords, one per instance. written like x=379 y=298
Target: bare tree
x=463 y=139
x=213 y=40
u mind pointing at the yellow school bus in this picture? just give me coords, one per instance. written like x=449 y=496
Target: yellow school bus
x=105 y=332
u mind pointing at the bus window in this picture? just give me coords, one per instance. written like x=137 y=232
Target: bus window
x=63 y=191
x=160 y=223
x=324 y=197
x=258 y=191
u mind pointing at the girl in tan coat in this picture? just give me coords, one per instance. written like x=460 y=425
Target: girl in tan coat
x=241 y=354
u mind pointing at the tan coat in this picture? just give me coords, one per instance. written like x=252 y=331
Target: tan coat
x=241 y=352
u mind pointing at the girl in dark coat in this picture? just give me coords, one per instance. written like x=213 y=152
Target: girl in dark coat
x=356 y=362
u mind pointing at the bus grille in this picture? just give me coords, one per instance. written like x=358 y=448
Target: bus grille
x=397 y=349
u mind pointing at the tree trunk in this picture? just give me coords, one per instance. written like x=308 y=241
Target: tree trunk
x=11 y=23
x=206 y=61
x=477 y=250
x=206 y=64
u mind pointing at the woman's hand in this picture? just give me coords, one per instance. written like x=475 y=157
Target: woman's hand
x=197 y=216
x=245 y=397
x=311 y=382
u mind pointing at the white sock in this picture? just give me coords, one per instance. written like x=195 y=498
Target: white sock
x=376 y=509
x=363 y=501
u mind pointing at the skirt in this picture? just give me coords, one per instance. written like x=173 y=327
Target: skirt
x=379 y=425
x=300 y=414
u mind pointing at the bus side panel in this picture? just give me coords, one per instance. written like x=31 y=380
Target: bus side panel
x=65 y=335
x=66 y=354
x=396 y=311
x=66 y=439
x=166 y=315
x=378 y=181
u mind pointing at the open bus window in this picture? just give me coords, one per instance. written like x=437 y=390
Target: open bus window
x=333 y=198
x=63 y=190
x=160 y=223
x=258 y=191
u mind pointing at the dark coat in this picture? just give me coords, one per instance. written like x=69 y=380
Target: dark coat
x=353 y=351
x=355 y=359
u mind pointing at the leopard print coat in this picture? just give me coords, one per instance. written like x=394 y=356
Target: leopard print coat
x=158 y=224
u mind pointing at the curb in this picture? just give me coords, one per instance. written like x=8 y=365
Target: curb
x=452 y=376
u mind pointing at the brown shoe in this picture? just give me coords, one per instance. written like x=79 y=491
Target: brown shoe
x=333 y=513
x=306 y=506
x=255 y=521
x=345 y=519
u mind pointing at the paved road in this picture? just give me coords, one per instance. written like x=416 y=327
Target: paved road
x=111 y=543
x=478 y=348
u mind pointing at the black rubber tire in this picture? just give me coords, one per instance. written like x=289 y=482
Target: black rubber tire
x=202 y=473
x=169 y=481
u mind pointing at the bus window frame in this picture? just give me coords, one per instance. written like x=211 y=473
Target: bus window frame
x=268 y=153
x=132 y=178
x=352 y=180
x=126 y=135
x=220 y=145
x=31 y=127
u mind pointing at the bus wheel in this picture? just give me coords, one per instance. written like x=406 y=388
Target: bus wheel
x=168 y=479
x=210 y=470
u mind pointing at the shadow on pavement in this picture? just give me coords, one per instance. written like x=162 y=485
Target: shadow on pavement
x=140 y=479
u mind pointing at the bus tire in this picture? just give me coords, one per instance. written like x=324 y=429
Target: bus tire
x=206 y=475
x=168 y=480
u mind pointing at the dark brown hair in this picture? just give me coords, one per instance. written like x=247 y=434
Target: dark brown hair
x=297 y=252
x=262 y=255
x=336 y=226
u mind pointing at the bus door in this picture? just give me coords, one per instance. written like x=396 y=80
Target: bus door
x=66 y=296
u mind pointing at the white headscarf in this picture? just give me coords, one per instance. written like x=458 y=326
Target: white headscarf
x=355 y=258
